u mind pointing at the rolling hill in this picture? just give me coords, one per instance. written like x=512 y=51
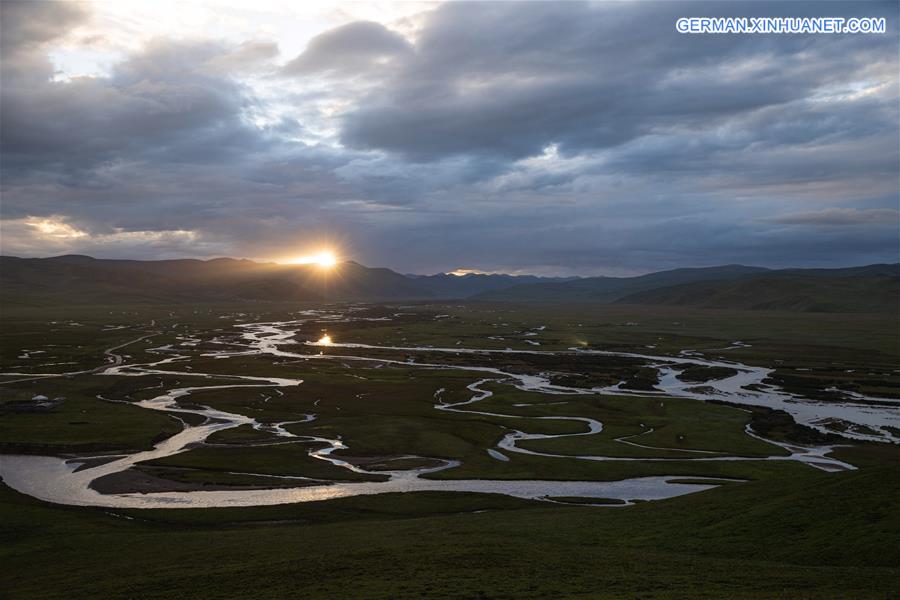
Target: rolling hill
x=75 y=279
x=85 y=280
x=82 y=279
x=870 y=288
x=806 y=293
x=609 y=289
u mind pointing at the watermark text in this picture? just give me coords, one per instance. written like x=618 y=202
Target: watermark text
x=781 y=25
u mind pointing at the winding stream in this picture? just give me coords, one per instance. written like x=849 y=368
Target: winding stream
x=745 y=387
x=59 y=480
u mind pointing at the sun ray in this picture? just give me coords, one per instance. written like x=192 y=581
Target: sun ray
x=325 y=259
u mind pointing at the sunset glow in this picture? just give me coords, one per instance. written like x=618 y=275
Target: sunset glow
x=325 y=259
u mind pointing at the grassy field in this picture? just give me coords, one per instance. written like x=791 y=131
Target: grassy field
x=82 y=422
x=786 y=531
x=809 y=535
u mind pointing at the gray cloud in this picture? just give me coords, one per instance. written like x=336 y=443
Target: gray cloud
x=350 y=48
x=27 y=25
x=252 y=55
x=842 y=217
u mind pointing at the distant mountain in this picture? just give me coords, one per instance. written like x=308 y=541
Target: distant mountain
x=82 y=279
x=609 y=289
x=76 y=279
x=820 y=290
x=872 y=288
x=446 y=285
x=876 y=270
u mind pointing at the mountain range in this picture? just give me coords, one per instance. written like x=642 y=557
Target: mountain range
x=85 y=280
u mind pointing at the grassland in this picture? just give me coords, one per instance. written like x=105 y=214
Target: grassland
x=787 y=531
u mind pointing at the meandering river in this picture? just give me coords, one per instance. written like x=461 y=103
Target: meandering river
x=59 y=480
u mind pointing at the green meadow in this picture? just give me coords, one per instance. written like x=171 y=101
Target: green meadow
x=775 y=529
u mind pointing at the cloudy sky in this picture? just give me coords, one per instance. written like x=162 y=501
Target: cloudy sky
x=551 y=138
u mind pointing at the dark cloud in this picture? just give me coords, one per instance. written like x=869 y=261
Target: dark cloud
x=158 y=104
x=509 y=79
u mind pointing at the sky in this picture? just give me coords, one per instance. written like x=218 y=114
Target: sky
x=561 y=138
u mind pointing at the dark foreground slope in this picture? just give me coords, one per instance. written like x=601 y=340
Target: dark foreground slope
x=813 y=536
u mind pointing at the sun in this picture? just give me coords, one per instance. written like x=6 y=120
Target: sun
x=324 y=259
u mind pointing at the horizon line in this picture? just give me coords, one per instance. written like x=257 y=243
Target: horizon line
x=455 y=273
